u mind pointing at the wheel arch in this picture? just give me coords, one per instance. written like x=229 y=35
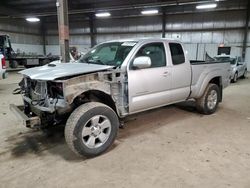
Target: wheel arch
x=218 y=81
x=94 y=95
x=214 y=79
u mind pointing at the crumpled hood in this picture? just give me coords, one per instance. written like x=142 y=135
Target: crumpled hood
x=58 y=70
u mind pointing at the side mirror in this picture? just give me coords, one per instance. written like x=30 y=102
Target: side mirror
x=142 y=62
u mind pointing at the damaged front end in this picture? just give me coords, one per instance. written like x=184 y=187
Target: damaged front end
x=49 y=102
x=43 y=103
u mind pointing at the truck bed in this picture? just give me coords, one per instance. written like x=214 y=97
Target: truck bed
x=200 y=70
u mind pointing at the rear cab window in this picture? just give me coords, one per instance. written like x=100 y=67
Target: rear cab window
x=177 y=53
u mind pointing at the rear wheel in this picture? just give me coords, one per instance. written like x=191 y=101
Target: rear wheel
x=235 y=78
x=14 y=64
x=208 y=103
x=245 y=74
x=27 y=66
x=91 y=129
x=43 y=62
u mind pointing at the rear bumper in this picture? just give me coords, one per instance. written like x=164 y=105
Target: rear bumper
x=30 y=122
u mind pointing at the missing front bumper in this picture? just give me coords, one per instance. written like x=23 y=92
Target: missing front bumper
x=30 y=122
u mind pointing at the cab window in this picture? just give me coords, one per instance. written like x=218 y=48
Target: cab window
x=156 y=52
x=177 y=53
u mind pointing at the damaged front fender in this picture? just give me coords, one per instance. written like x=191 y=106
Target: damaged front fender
x=76 y=86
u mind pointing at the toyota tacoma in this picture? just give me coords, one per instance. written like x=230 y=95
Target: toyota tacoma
x=113 y=80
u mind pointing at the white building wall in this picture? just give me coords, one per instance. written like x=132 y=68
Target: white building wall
x=25 y=37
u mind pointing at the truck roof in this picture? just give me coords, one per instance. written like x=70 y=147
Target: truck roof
x=145 y=40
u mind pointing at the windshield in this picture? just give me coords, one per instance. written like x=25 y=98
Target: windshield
x=111 y=53
x=226 y=59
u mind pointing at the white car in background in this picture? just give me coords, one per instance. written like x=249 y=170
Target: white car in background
x=3 y=73
x=238 y=67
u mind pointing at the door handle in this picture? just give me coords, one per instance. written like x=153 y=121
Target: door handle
x=166 y=73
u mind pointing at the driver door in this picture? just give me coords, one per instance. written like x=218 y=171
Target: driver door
x=149 y=87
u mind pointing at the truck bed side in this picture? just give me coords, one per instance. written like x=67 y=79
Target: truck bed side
x=204 y=72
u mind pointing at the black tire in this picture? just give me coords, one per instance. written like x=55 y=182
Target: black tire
x=44 y=62
x=203 y=103
x=245 y=74
x=14 y=64
x=80 y=119
x=28 y=66
x=235 y=78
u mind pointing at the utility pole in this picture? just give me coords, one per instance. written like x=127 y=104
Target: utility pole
x=43 y=33
x=92 y=30
x=163 y=23
x=63 y=28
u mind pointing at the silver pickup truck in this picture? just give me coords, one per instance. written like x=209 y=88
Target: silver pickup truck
x=113 y=80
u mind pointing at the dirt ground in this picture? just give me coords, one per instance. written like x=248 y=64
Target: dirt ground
x=172 y=146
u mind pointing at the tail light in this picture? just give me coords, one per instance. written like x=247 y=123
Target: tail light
x=3 y=63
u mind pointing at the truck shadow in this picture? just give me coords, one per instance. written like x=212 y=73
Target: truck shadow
x=52 y=141
x=151 y=120
x=189 y=106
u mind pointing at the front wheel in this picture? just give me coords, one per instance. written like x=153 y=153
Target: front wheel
x=91 y=129
x=208 y=103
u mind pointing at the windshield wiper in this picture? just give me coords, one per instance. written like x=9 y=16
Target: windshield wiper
x=91 y=61
x=99 y=61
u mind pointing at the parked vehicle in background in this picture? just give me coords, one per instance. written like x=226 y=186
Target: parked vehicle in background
x=27 y=60
x=3 y=73
x=72 y=60
x=238 y=67
x=113 y=80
